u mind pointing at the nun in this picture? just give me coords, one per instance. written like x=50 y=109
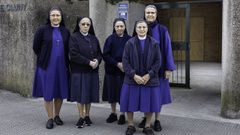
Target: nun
x=85 y=57
x=114 y=73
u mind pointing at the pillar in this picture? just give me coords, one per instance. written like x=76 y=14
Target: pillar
x=230 y=89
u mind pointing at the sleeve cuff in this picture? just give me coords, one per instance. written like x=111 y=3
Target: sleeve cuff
x=151 y=74
x=115 y=63
x=132 y=73
x=87 y=62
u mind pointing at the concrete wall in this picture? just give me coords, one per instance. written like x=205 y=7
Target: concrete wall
x=230 y=96
x=16 y=60
x=18 y=22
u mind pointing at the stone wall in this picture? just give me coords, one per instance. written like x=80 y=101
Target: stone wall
x=16 y=60
x=18 y=22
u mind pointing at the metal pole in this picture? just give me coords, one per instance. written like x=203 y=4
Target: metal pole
x=188 y=45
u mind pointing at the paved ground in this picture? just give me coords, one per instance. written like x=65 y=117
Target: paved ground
x=21 y=116
x=193 y=112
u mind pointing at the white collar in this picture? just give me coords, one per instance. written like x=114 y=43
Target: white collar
x=84 y=34
x=55 y=26
x=142 y=38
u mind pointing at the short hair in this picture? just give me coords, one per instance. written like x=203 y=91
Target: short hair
x=151 y=6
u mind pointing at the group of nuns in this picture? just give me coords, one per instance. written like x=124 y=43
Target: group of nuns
x=137 y=69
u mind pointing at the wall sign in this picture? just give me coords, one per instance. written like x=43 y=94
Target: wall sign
x=123 y=11
x=13 y=7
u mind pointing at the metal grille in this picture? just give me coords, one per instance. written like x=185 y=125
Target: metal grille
x=180 y=45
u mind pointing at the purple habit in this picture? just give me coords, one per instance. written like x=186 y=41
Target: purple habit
x=52 y=82
x=160 y=33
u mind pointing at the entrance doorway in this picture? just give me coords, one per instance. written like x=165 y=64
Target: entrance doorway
x=179 y=32
x=195 y=30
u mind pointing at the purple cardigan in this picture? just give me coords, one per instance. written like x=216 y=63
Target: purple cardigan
x=160 y=33
x=131 y=60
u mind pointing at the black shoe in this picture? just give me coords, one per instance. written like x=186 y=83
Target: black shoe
x=49 y=124
x=157 y=126
x=112 y=117
x=80 y=123
x=148 y=131
x=122 y=119
x=57 y=120
x=143 y=122
x=130 y=130
x=88 y=121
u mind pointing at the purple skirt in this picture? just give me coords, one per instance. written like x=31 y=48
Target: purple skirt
x=165 y=91
x=112 y=88
x=50 y=84
x=140 y=98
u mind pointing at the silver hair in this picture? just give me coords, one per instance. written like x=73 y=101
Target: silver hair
x=151 y=6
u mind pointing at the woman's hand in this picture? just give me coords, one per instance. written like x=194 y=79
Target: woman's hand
x=94 y=63
x=168 y=74
x=120 y=66
x=95 y=60
x=146 y=78
x=138 y=79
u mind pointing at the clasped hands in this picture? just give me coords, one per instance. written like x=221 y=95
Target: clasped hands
x=141 y=80
x=94 y=63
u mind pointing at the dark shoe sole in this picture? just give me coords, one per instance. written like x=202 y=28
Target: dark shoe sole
x=58 y=120
x=157 y=130
x=49 y=127
x=59 y=124
x=80 y=126
x=49 y=124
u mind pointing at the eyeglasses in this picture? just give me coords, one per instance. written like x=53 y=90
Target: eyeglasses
x=83 y=24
